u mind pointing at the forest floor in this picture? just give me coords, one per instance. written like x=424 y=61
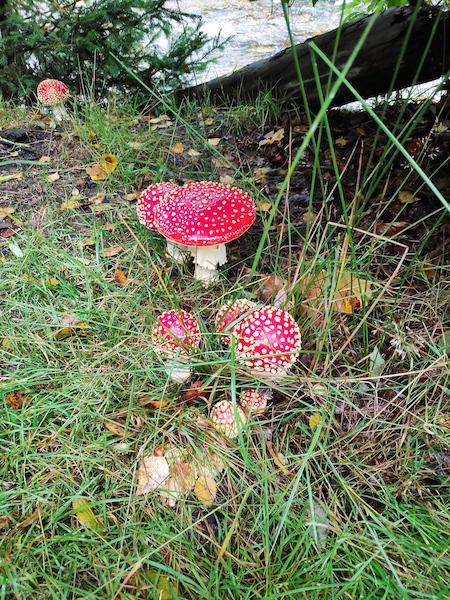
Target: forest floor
x=341 y=488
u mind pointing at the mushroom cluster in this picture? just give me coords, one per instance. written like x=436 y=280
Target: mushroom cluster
x=197 y=219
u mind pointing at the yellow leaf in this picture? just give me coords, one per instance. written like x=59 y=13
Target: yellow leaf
x=177 y=148
x=45 y=159
x=120 y=278
x=109 y=163
x=85 y=514
x=96 y=172
x=53 y=282
x=208 y=121
x=5 y=212
x=314 y=420
x=164 y=590
x=214 y=141
x=91 y=135
x=205 y=490
x=263 y=206
x=68 y=204
x=260 y=174
x=112 y=251
x=341 y=141
x=53 y=177
x=67 y=331
x=406 y=197
x=272 y=137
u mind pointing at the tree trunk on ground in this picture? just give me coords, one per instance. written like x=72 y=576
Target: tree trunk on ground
x=372 y=72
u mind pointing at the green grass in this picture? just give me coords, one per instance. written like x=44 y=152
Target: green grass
x=373 y=470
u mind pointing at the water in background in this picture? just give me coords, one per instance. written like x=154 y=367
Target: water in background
x=257 y=28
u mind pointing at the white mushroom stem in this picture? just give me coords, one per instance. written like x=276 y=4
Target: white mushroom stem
x=206 y=260
x=59 y=113
x=178 y=370
x=177 y=252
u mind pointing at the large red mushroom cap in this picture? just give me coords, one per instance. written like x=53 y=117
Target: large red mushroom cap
x=150 y=199
x=176 y=331
x=228 y=419
x=228 y=313
x=268 y=341
x=51 y=92
x=205 y=214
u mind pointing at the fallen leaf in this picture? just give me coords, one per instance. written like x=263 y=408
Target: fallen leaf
x=177 y=148
x=132 y=196
x=70 y=204
x=101 y=208
x=208 y=121
x=164 y=590
x=96 y=172
x=85 y=514
x=17 y=176
x=35 y=515
x=112 y=251
x=376 y=363
x=314 y=420
x=226 y=179
x=153 y=471
x=53 y=177
x=15 y=249
x=390 y=228
x=45 y=159
x=193 y=153
x=97 y=198
x=260 y=174
x=180 y=482
x=406 y=197
x=272 y=137
x=17 y=399
x=53 y=282
x=78 y=328
x=115 y=428
x=205 y=490
x=120 y=278
x=263 y=206
x=342 y=141
x=156 y=404
x=214 y=141
x=109 y=163
x=6 y=212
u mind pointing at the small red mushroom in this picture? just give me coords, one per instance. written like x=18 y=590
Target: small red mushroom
x=228 y=316
x=268 y=341
x=205 y=216
x=54 y=93
x=254 y=402
x=174 y=335
x=227 y=418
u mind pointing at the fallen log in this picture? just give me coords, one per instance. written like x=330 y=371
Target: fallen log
x=412 y=34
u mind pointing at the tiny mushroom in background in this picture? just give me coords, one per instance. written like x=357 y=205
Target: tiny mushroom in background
x=54 y=93
x=228 y=419
x=228 y=315
x=268 y=341
x=205 y=216
x=150 y=198
x=175 y=333
x=254 y=402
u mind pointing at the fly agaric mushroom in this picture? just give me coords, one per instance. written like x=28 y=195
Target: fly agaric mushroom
x=204 y=216
x=228 y=315
x=175 y=333
x=228 y=419
x=268 y=341
x=150 y=198
x=254 y=401
x=54 y=93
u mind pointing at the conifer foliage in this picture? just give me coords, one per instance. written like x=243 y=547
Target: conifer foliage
x=72 y=40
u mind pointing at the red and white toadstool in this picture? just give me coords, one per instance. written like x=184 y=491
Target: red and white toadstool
x=174 y=335
x=254 y=401
x=54 y=93
x=205 y=216
x=229 y=314
x=150 y=198
x=268 y=341
x=228 y=419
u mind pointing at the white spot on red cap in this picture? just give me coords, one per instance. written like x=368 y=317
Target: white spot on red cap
x=269 y=340
x=176 y=331
x=150 y=199
x=52 y=91
x=199 y=214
